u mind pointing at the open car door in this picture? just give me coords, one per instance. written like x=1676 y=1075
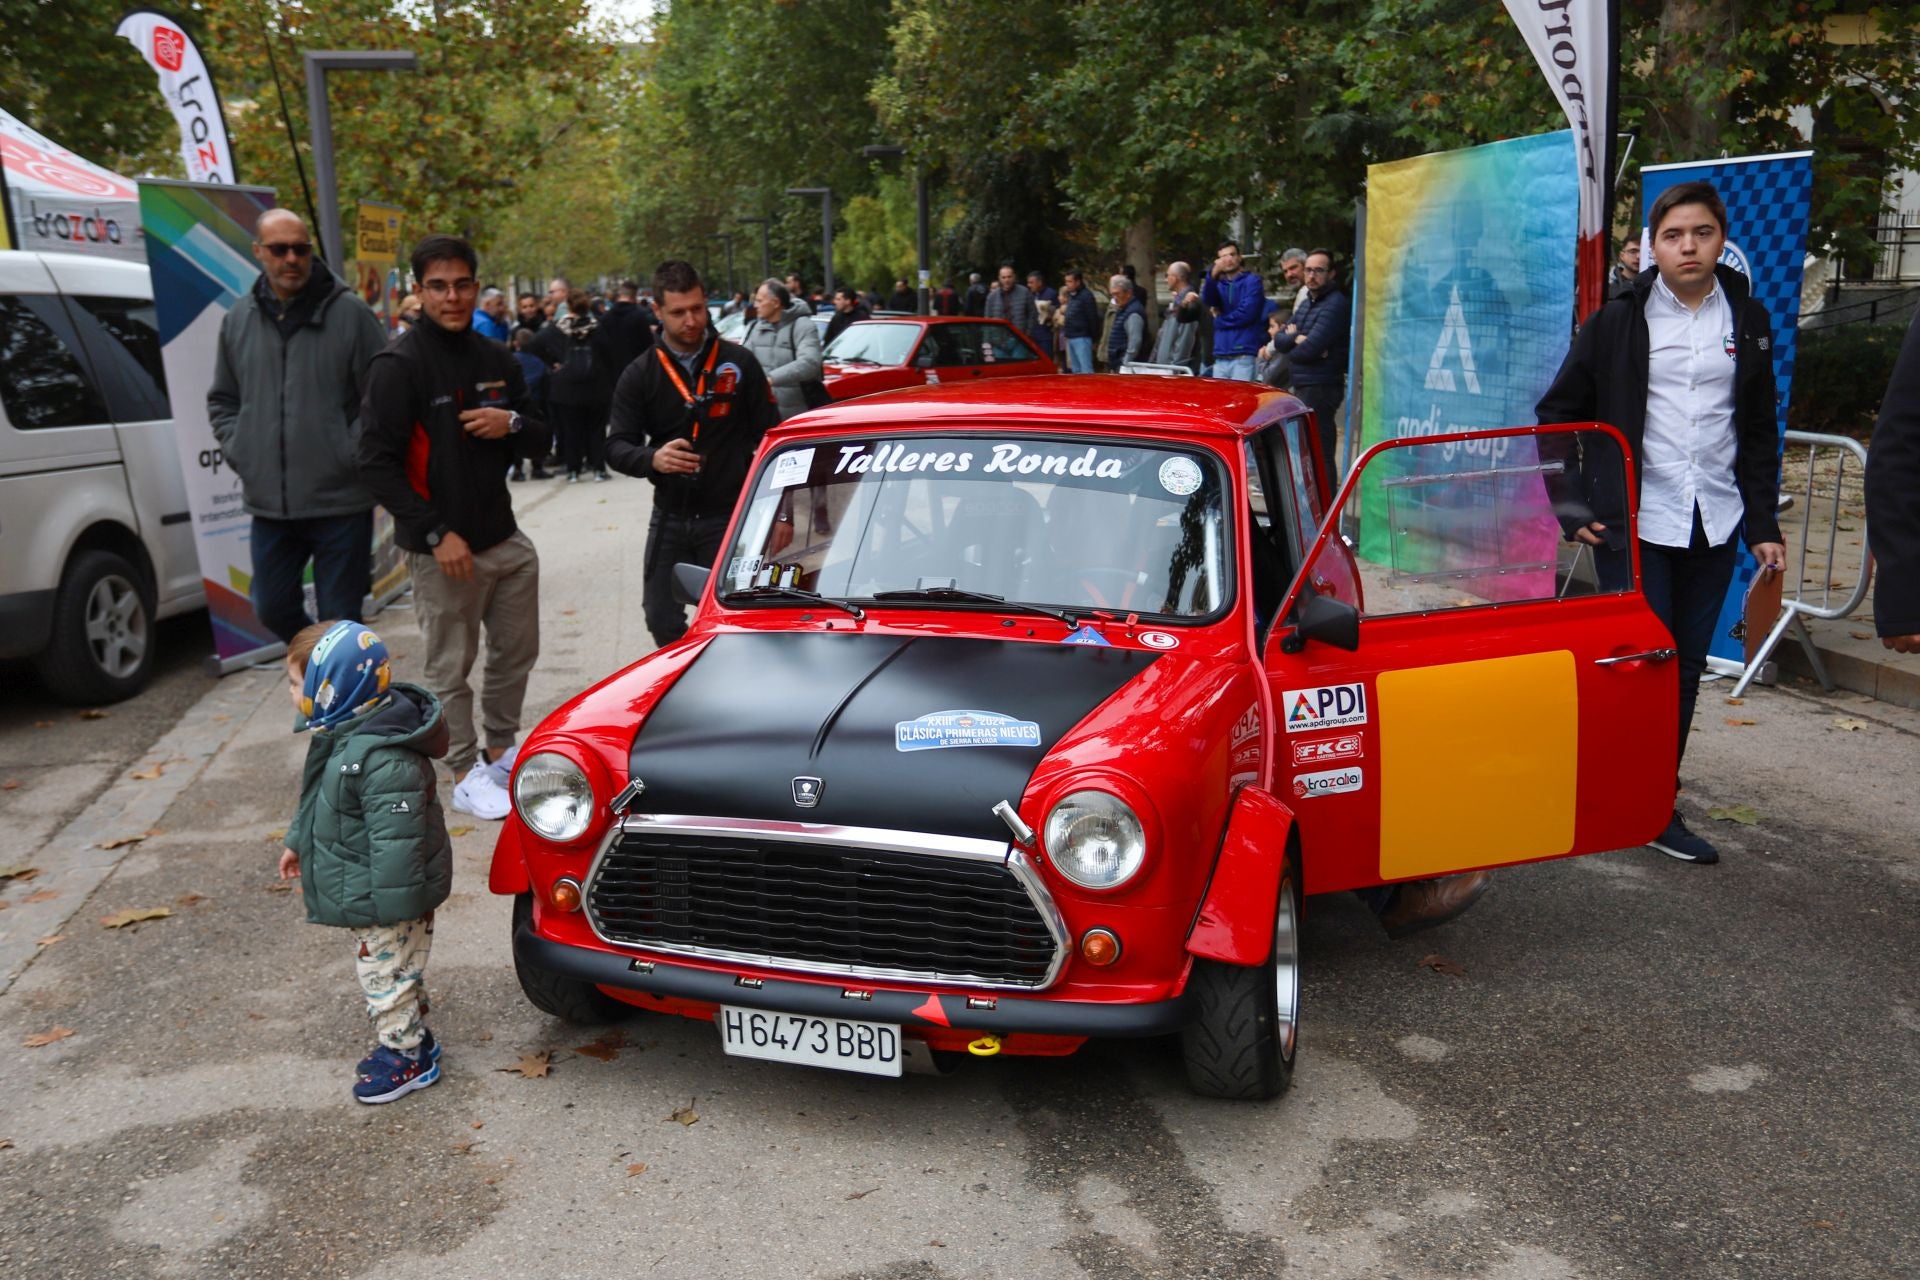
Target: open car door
x=1495 y=694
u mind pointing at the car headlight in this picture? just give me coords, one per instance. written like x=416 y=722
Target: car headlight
x=1095 y=839
x=553 y=796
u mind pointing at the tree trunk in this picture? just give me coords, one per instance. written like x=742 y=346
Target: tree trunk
x=1694 y=38
x=1137 y=249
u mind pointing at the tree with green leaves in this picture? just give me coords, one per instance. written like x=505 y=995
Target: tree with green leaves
x=64 y=72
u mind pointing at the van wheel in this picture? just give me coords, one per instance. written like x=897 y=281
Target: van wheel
x=563 y=997
x=1242 y=1040
x=101 y=647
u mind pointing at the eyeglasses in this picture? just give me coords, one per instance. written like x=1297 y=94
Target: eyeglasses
x=299 y=249
x=441 y=288
x=1316 y=271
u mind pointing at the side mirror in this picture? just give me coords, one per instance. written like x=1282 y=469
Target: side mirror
x=923 y=362
x=690 y=582
x=1322 y=618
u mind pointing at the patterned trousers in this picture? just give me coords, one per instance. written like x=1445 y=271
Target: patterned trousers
x=391 y=963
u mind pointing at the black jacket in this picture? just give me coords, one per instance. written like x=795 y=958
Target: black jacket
x=1893 y=496
x=630 y=331
x=1604 y=379
x=420 y=463
x=841 y=319
x=725 y=427
x=587 y=388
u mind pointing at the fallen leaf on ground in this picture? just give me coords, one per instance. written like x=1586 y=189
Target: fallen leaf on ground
x=861 y=1195
x=1822 y=1224
x=533 y=1066
x=936 y=1244
x=686 y=1115
x=40 y=1039
x=459 y=831
x=5 y=905
x=1745 y=814
x=94 y=713
x=568 y=613
x=45 y=895
x=121 y=842
x=462 y=1147
x=9 y=785
x=1736 y=702
x=6 y=1144
x=606 y=1048
x=252 y=1016
x=479 y=1124
x=134 y=915
x=18 y=872
x=43 y=724
x=1737 y=723
x=281 y=834
x=634 y=1170
x=1861 y=635
x=52 y=938
x=188 y=899
x=148 y=775
x=484 y=1035
x=1849 y=724
x=1440 y=964
x=280 y=886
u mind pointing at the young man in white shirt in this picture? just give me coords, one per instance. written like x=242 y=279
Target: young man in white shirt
x=1681 y=363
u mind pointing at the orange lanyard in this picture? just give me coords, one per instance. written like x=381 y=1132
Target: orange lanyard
x=694 y=397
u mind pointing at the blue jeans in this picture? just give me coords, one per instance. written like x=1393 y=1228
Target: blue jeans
x=1079 y=355
x=1234 y=368
x=341 y=548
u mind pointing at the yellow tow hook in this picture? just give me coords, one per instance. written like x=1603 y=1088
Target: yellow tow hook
x=984 y=1047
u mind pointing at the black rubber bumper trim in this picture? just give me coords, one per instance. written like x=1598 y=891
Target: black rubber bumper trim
x=907 y=1008
x=26 y=623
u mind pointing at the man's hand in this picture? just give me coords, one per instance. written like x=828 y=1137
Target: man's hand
x=676 y=458
x=454 y=556
x=1592 y=535
x=486 y=424
x=1771 y=555
x=289 y=864
x=1902 y=644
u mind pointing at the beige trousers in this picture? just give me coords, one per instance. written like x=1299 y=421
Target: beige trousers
x=503 y=597
x=391 y=960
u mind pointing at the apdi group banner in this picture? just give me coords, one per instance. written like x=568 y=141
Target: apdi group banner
x=1469 y=260
x=199 y=240
x=1769 y=200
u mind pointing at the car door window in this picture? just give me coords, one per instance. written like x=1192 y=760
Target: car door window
x=123 y=340
x=43 y=380
x=1001 y=344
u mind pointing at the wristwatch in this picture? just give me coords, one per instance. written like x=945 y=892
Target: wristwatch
x=514 y=424
x=434 y=538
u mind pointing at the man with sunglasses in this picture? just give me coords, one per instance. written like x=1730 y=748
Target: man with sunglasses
x=285 y=406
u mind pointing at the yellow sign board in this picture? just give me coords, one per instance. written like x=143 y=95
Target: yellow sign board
x=379 y=233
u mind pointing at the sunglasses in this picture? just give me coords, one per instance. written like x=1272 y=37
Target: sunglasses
x=299 y=249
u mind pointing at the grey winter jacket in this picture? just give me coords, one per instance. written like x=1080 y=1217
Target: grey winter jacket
x=790 y=353
x=1016 y=309
x=286 y=411
x=370 y=832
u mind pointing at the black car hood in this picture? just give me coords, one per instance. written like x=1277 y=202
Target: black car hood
x=863 y=714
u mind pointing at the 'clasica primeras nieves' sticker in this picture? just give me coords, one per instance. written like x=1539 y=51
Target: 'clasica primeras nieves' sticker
x=939 y=729
x=1179 y=476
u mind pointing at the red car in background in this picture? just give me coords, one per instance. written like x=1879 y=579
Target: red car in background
x=922 y=351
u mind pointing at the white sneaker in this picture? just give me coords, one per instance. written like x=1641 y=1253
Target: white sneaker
x=502 y=769
x=479 y=795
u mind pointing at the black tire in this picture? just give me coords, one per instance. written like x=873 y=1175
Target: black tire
x=1244 y=1035
x=102 y=644
x=566 y=998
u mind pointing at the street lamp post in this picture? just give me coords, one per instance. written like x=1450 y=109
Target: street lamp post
x=726 y=240
x=320 y=121
x=766 y=254
x=920 y=225
x=826 y=229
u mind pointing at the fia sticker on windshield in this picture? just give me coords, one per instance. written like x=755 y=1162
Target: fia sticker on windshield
x=1087 y=634
x=1159 y=640
x=1179 y=476
x=939 y=729
x=791 y=468
x=1333 y=706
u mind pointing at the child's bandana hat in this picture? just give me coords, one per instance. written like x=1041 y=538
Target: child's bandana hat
x=348 y=674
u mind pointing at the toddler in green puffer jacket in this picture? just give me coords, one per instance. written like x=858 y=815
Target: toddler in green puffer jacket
x=369 y=842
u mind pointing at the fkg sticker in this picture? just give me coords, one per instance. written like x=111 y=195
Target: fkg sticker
x=1328 y=782
x=939 y=729
x=1332 y=706
x=1318 y=750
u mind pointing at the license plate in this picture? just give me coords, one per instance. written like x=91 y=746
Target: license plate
x=870 y=1047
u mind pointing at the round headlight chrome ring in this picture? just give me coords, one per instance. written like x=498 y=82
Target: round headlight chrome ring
x=553 y=796
x=1095 y=839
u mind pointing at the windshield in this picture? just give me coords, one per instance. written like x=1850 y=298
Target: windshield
x=877 y=342
x=1076 y=523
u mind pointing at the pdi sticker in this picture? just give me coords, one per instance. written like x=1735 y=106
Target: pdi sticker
x=1333 y=706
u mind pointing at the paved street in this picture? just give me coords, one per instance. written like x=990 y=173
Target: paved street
x=1636 y=1068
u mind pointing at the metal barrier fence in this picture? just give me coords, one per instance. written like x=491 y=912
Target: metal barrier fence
x=1820 y=603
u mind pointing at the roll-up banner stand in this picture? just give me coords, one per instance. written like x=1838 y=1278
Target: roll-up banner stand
x=1769 y=203
x=376 y=253
x=187 y=85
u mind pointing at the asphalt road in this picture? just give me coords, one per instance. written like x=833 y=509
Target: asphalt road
x=1640 y=1069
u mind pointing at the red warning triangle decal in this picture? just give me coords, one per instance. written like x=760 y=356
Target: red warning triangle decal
x=932 y=1011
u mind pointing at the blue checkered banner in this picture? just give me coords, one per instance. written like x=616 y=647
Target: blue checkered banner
x=1769 y=200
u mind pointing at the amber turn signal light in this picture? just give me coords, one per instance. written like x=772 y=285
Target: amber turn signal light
x=565 y=895
x=1099 y=947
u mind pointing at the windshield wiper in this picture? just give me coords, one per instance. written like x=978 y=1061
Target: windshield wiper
x=767 y=592
x=963 y=596
x=852 y=360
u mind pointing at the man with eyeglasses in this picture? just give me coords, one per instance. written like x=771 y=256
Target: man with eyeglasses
x=1316 y=341
x=444 y=407
x=285 y=406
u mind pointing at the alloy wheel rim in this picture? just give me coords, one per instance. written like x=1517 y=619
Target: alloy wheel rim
x=1286 y=971
x=116 y=626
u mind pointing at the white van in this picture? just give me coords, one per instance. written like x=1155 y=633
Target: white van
x=96 y=540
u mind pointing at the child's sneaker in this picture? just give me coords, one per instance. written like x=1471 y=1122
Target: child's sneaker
x=386 y=1074
x=481 y=796
x=502 y=769
x=429 y=1047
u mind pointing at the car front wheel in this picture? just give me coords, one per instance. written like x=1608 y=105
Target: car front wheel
x=1245 y=1032
x=561 y=996
x=102 y=643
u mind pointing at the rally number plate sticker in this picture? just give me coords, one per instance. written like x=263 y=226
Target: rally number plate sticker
x=869 y=1047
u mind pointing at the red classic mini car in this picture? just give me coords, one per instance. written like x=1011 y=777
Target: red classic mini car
x=914 y=351
x=1024 y=712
